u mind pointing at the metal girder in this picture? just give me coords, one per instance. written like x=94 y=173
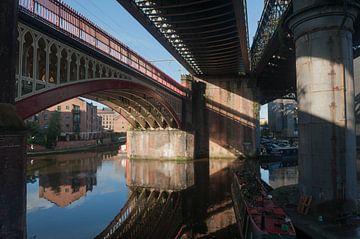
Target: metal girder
x=274 y=11
x=139 y=118
x=115 y=107
x=140 y=103
x=184 y=28
x=190 y=12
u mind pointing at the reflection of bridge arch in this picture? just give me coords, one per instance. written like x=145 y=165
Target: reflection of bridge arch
x=148 y=213
x=95 y=89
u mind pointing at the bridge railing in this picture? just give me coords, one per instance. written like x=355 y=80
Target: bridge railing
x=269 y=21
x=62 y=17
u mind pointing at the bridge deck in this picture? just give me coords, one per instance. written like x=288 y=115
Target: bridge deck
x=64 y=19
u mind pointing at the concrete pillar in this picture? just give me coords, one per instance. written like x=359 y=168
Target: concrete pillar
x=12 y=163
x=325 y=91
x=160 y=144
x=200 y=120
x=232 y=113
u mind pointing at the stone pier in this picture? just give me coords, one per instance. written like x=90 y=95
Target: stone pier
x=325 y=90
x=12 y=135
x=165 y=144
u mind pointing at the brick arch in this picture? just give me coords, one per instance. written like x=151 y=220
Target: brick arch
x=33 y=104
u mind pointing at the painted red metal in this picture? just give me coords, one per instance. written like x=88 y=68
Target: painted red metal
x=35 y=103
x=63 y=18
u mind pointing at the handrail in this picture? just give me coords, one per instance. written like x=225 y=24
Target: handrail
x=63 y=18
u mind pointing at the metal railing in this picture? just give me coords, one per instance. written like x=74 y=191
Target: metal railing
x=269 y=22
x=65 y=19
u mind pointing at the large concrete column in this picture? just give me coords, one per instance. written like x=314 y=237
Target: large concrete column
x=12 y=163
x=200 y=120
x=232 y=114
x=325 y=90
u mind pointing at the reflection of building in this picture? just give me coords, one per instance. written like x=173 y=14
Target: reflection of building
x=66 y=182
x=282 y=176
x=282 y=117
x=76 y=116
x=112 y=120
x=64 y=195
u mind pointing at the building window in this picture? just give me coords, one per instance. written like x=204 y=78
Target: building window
x=59 y=107
x=67 y=107
x=45 y=116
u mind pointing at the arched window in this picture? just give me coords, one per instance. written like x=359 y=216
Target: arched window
x=63 y=66
x=97 y=71
x=28 y=54
x=90 y=70
x=41 y=60
x=53 y=64
x=73 y=67
x=82 y=69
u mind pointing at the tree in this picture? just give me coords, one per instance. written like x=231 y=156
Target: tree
x=35 y=135
x=54 y=130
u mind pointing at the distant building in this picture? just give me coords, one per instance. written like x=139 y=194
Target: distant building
x=112 y=120
x=77 y=117
x=282 y=118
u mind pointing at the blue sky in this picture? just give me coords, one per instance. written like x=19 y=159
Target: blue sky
x=114 y=19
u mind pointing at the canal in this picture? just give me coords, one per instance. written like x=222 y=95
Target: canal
x=79 y=195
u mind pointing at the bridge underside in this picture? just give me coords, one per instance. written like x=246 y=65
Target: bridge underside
x=207 y=36
x=273 y=52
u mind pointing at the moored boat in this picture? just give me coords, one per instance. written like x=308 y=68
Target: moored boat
x=256 y=214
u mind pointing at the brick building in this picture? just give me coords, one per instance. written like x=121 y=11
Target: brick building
x=112 y=120
x=77 y=117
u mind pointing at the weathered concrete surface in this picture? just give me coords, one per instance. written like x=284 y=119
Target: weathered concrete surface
x=160 y=174
x=357 y=99
x=325 y=91
x=12 y=187
x=200 y=120
x=12 y=136
x=8 y=23
x=160 y=144
x=232 y=114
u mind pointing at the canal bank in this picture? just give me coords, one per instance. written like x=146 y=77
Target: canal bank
x=323 y=224
x=315 y=224
x=93 y=147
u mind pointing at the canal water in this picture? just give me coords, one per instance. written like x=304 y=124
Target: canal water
x=78 y=195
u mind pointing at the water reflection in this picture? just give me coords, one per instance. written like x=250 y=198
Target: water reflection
x=82 y=195
x=175 y=199
x=277 y=175
x=66 y=194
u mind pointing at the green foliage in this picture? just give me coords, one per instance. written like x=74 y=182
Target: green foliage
x=34 y=134
x=53 y=131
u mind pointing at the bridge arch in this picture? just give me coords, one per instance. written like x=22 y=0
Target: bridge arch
x=110 y=91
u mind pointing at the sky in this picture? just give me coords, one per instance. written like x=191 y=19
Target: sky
x=114 y=19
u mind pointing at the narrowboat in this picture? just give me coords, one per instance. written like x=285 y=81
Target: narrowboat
x=256 y=214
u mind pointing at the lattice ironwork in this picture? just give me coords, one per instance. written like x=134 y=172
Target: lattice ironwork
x=271 y=17
x=65 y=19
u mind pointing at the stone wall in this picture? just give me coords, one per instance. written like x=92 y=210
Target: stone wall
x=160 y=144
